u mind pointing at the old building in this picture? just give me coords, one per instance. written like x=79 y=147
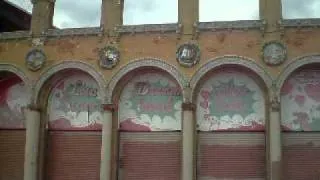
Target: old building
x=13 y=18
x=187 y=100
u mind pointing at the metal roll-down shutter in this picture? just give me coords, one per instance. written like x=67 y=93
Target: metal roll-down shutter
x=73 y=155
x=228 y=155
x=150 y=156
x=301 y=155
x=12 y=146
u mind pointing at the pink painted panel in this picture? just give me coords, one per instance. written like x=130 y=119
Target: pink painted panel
x=13 y=98
x=150 y=102
x=300 y=101
x=74 y=103
x=230 y=100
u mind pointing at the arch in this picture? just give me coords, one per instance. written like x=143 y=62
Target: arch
x=294 y=65
x=229 y=60
x=144 y=62
x=17 y=71
x=85 y=67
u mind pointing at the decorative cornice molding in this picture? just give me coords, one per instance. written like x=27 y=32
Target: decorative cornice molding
x=293 y=65
x=15 y=35
x=229 y=60
x=241 y=25
x=139 y=63
x=85 y=67
x=300 y=23
x=92 y=31
x=162 y=28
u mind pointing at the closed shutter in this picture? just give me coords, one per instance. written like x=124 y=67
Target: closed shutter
x=12 y=146
x=301 y=155
x=73 y=155
x=150 y=156
x=227 y=155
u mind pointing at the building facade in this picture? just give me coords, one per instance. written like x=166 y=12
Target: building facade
x=208 y=101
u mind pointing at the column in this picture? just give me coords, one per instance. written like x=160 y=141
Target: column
x=188 y=141
x=271 y=12
x=188 y=14
x=275 y=144
x=106 y=147
x=111 y=15
x=42 y=15
x=32 y=117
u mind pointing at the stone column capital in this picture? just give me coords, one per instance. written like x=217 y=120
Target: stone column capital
x=275 y=105
x=188 y=106
x=33 y=107
x=274 y=102
x=109 y=107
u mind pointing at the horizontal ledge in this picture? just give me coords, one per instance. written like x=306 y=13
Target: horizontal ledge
x=15 y=35
x=242 y=24
x=73 y=32
x=294 y=23
x=173 y=27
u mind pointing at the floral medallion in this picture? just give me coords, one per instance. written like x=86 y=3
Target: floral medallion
x=188 y=54
x=274 y=53
x=35 y=59
x=109 y=57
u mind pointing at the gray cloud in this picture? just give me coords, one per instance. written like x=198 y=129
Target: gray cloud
x=86 y=13
x=77 y=13
x=293 y=9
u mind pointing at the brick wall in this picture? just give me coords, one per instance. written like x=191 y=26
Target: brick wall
x=231 y=156
x=146 y=157
x=12 y=145
x=301 y=156
x=73 y=155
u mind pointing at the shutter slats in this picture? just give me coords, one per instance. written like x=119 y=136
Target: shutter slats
x=12 y=146
x=301 y=155
x=231 y=156
x=74 y=155
x=150 y=156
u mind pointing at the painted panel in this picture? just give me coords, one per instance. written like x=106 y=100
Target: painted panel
x=150 y=102
x=300 y=102
x=74 y=103
x=13 y=98
x=230 y=101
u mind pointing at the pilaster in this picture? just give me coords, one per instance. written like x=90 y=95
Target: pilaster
x=188 y=142
x=42 y=15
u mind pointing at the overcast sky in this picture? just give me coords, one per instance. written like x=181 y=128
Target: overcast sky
x=86 y=13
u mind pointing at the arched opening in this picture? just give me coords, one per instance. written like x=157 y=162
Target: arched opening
x=14 y=96
x=300 y=120
x=74 y=124
x=149 y=125
x=231 y=115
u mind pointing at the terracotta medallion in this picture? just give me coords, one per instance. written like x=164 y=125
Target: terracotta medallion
x=188 y=54
x=35 y=59
x=274 y=53
x=109 y=57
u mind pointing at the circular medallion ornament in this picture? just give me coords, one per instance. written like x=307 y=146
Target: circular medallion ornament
x=274 y=53
x=188 y=54
x=35 y=59
x=109 y=57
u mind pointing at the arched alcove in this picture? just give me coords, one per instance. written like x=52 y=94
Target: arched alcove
x=231 y=115
x=149 y=121
x=14 y=97
x=300 y=121
x=71 y=100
